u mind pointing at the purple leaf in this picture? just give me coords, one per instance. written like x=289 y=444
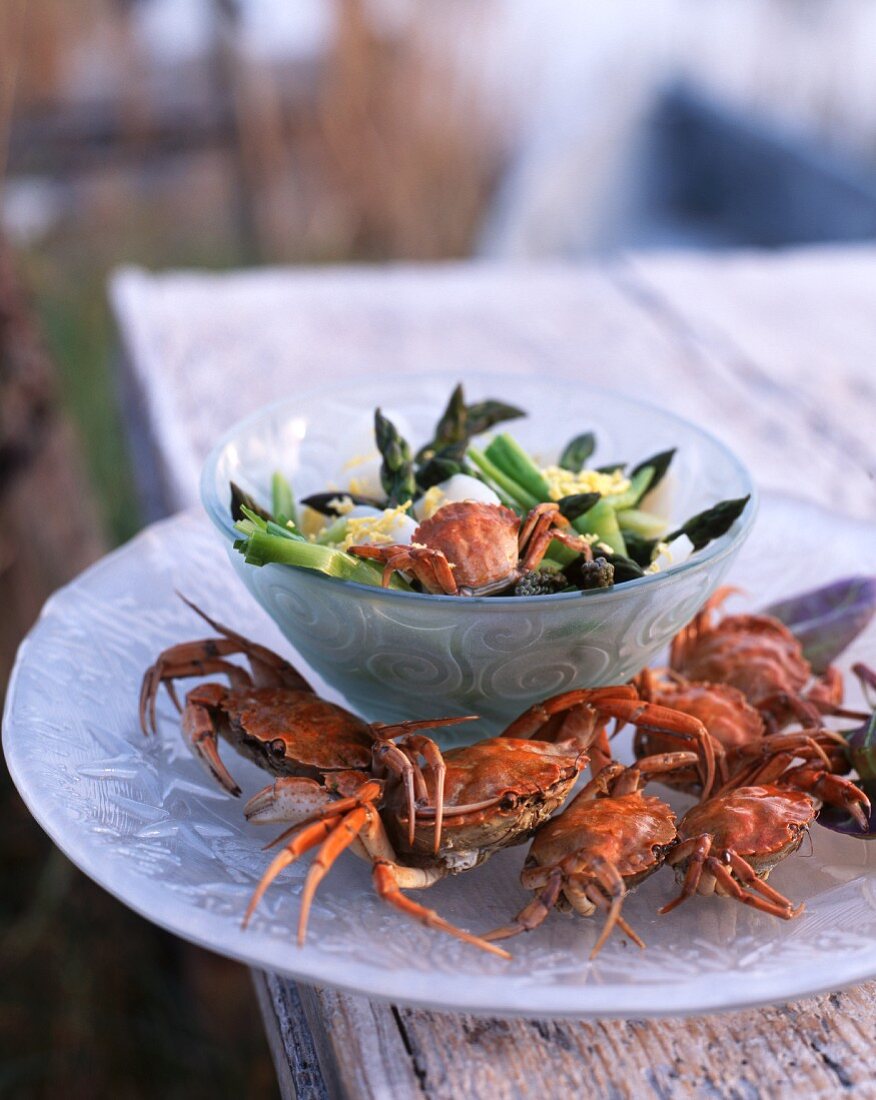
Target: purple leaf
x=827 y=620
x=861 y=751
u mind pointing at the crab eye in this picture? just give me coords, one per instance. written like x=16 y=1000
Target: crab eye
x=278 y=747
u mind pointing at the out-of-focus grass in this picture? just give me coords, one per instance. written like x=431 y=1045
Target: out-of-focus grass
x=77 y=327
x=95 y=1001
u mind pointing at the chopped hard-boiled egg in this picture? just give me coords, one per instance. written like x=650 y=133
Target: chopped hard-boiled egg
x=310 y=522
x=364 y=476
x=455 y=489
x=659 y=500
x=662 y=558
x=375 y=527
x=564 y=483
x=429 y=503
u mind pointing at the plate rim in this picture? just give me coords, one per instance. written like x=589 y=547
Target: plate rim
x=698 y=996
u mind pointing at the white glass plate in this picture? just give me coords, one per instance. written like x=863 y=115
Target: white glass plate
x=140 y=817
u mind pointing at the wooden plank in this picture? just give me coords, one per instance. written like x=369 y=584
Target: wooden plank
x=299 y=1076
x=362 y=1048
x=275 y=331
x=818 y=1047
x=788 y=340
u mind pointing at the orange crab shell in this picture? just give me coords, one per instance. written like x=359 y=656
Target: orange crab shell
x=478 y=539
x=630 y=831
x=722 y=709
x=762 y=824
x=511 y=785
x=754 y=653
x=297 y=732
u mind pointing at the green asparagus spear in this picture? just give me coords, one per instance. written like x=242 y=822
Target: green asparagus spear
x=516 y=495
x=241 y=500
x=660 y=464
x=397 y=470
x=577 y=451
x=486 y=414
x=705 y=526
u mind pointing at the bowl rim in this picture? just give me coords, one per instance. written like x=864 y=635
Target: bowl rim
x=715 y=552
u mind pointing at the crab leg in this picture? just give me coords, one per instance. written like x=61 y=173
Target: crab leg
x=290 y=800
x=339 y=839
x=699 y=851
x=398 y=729
x=613 y=918
x=830 y=788
x=332 y=810
x=530 y=722
x=199 y=730
x=392 y=757
x=201 y=658
x=535 y=912
x=402 y=759
x=319 y=827
x=611 y=882
x=772 y=705
x=623 y=703
x=269 y=668
x=696 y=851
x=414 y=743
x=544 y=524
x=434 y=759
x=386 y=883
x=734 y=889
x=744 y=872
x=308 y=838
x=429 y=566
x=687 y=637
x=630 y=779
x=578 y=726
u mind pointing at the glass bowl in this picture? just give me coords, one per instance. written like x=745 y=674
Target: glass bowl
x=396 y=655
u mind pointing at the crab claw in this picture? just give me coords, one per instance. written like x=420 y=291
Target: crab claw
x=287 y=801
x=199 y=732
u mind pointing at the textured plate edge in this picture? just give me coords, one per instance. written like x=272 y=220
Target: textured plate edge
x=689 y=999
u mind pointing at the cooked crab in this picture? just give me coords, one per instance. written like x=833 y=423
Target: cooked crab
x=496 y=792
x=758 y=655
x=730 y=843
x=387 y=791
x=475 y=549
x=610 y=838
x=738 y=728
x=271 y=715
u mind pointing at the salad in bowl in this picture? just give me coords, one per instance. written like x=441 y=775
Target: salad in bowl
x=453 y=519
x=472 y=555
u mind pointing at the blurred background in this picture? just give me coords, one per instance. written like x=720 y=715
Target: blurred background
x=226 y=133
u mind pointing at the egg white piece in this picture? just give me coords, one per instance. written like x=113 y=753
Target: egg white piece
x=398 y=528
x=660 y=500
x=362 y=476
x=455 y=489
